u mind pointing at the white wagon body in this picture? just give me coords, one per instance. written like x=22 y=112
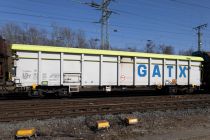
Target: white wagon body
x=74 y=67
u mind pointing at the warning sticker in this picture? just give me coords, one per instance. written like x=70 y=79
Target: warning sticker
x=122 y=77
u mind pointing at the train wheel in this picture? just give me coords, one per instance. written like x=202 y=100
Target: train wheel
x=190 y=90
x=64 y=93
x=172 y=90
x=40 y=94
x=70 y=94
x=35 y=93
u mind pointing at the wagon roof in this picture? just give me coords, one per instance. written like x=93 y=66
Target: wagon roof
x=23 y=47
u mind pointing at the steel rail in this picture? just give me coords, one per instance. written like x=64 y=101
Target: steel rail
x=53 y=110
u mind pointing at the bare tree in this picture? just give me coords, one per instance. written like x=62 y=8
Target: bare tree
x=68 y=37
x=132 y=49
x=13 y=33
x=187 y=52
x=166 y=49
x=150 y=47
x=93 y=43
x=59 y=36
x=81 y=39
x=36 y=36
x=62 y=36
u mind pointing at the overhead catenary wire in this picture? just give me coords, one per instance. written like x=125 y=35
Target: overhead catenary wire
x=152 y=5
x=191 y=4
x=73 y=20
x=42 y=26
x=79 y=1
x=129 y=13
x=45 y=17
x=127 y=34
x=119 y=36
x=155 y=20
x=32 y=11
x=63 y=18
x=142 y=16
x=122 y=26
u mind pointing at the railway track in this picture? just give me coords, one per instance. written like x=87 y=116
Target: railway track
x=41 y=109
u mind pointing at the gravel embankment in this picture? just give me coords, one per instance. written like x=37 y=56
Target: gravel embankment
x=158 y=125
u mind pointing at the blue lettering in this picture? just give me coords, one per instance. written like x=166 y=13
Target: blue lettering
x=156 y=71
x=169 y=70
x=142 y=72
x=182 y=71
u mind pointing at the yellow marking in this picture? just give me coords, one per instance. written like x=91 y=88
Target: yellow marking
x=22 y=47
x=131 y=120
x=102 y=124
x=174 y=82
x=34 y=86
x=26 y=132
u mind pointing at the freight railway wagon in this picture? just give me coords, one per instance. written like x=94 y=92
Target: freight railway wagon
x=63 y=71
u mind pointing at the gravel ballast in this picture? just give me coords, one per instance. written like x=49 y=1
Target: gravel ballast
x=176 y=125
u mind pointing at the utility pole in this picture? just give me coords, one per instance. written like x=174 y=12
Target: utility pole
x=199 y=33
x=104 y=20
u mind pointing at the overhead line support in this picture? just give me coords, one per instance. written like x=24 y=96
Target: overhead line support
x=104 y=20
x=199 y=33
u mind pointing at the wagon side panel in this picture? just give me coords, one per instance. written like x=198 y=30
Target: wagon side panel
x=26 y=68
x=195 y=73
x=109 y=71
x=91 y=67
x=182 y=72
x=142 y=74
x=156 y=72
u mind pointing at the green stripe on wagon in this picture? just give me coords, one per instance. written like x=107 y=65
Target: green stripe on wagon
x=36 y=48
